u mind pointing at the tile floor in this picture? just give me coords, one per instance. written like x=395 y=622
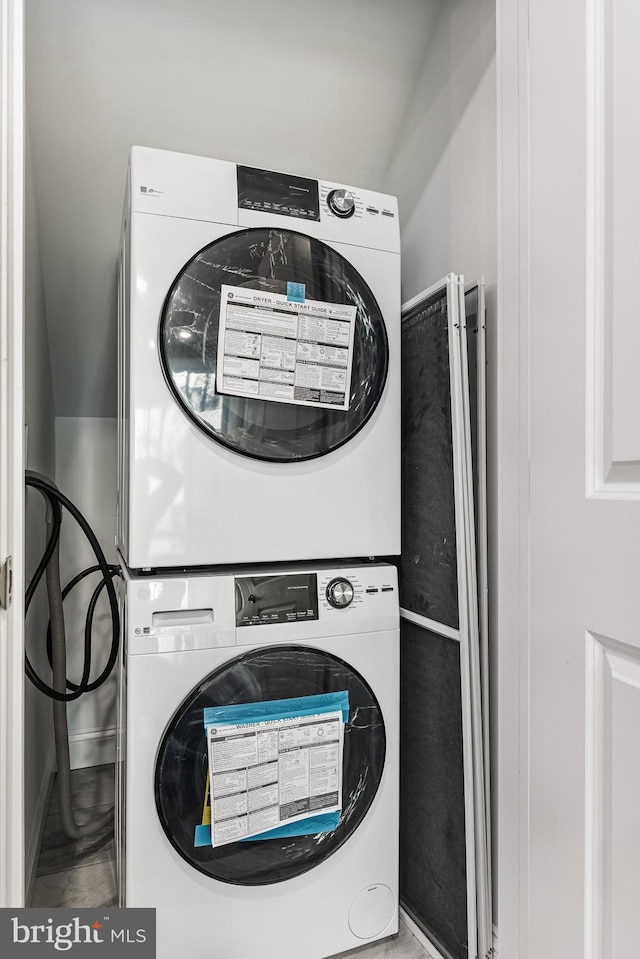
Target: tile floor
x=82 y=872
x=78 y=872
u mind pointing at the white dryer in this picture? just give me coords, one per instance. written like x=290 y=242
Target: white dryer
x=259 y=402
x=207 y=640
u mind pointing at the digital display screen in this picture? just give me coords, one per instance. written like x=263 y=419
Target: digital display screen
x=268 y=600
x=278 y=193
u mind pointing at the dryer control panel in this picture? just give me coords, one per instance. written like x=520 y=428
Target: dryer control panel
x=169 y=184
x=279 y=193
x=287 y=195
x=284 y=194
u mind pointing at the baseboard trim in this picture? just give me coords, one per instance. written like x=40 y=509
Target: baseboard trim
x=92 y=747
x=36 y=835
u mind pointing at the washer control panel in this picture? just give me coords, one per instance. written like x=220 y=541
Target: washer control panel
x=291 y=605
x=340 y=593
x=356 y=590
x=276 y=599
x=286 y=597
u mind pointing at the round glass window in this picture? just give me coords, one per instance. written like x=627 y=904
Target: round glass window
x=181 y=772
x=267 y=260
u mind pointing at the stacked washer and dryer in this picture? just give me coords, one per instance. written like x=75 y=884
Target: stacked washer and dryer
x=258 y=479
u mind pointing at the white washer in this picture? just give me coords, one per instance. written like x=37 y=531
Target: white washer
x=218 y=639
x=207 y=477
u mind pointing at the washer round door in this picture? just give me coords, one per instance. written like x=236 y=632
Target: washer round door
x=268 y=260
x=270 y=673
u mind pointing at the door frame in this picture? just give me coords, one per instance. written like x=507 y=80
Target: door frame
x=510 y=482
x=12 y=882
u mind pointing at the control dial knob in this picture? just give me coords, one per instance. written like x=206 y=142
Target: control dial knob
x=340 y=593
x=342 y=203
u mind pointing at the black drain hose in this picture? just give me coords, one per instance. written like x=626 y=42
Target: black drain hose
x=56 y=645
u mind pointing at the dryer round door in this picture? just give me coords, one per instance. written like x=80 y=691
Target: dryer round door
x=279 y=431
x=181 y=772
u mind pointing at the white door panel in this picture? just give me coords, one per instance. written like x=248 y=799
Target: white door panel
x=613 y=232
x=584 y=481
x=613 y=785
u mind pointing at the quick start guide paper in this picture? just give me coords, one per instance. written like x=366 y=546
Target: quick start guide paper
x=274 y=348
x=266 y=774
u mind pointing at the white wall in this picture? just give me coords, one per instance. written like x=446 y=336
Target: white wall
x=444 y=174
x=310 y=87
x=40 y=456
x=444 y=167
x=86 y=463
